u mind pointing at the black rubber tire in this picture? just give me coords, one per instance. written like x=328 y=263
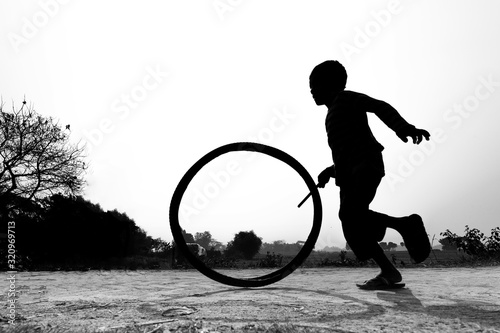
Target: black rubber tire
x=265 y=279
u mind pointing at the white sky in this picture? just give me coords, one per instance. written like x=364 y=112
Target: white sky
x=152 y=86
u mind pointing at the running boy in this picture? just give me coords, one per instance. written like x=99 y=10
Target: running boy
x=358 y=169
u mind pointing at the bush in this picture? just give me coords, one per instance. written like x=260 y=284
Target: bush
x=215 y=259
x=475 y=243
x=245 y=245
x=271 y=260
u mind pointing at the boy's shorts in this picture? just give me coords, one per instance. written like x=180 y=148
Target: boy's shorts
x=370 y=165
x=362 y=228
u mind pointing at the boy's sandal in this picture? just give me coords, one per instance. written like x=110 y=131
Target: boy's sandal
x=379 y=283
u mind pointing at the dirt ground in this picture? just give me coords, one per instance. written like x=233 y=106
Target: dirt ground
x=309 y=300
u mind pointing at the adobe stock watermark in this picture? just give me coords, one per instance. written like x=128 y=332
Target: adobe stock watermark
x=364 y=36
x=123 y=105
x=454 y=116
x=223 y=7
x=31 y=26
x=221 y=178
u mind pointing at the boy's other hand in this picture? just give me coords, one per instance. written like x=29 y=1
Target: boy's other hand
x=416 y=134
x=325 y=175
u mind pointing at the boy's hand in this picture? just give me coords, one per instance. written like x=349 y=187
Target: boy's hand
x=325 y=175
x=416 y=134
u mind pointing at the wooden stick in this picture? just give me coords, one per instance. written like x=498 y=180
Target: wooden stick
x=305 y=199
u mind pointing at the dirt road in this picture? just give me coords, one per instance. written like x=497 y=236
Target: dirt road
x=309 y=300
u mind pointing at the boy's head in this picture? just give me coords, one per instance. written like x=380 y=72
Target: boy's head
x=326 y=80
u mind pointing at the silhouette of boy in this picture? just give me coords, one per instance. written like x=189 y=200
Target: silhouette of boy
x=358 y=169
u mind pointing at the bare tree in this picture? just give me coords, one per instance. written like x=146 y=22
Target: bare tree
x=36 y=157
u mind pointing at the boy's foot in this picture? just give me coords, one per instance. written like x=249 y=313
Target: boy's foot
x=393 y=276
x=415 y=238
x=380 y=283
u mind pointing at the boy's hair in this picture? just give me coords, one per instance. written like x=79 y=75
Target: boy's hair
x=331 y=74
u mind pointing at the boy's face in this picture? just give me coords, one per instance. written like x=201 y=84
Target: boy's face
x=321 y=93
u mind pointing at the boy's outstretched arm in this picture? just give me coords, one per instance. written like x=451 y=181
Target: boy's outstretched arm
x=393 y=120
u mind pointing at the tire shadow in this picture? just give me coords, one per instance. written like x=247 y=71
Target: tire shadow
x=359 y=308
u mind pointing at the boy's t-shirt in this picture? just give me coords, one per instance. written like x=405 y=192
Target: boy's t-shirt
x=354 y=148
